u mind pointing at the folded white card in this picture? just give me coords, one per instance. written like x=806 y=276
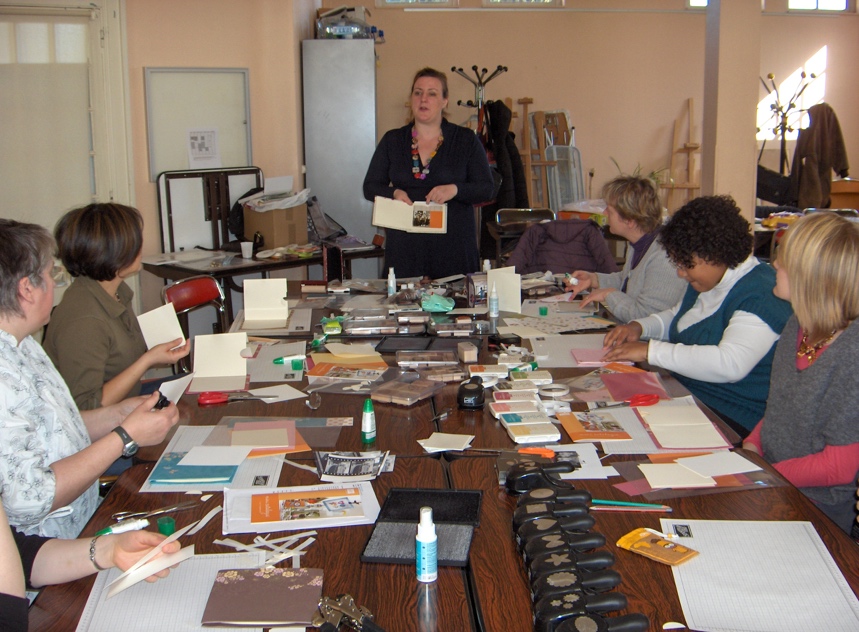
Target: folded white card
x=218 y=362
x=508 y=286
x=266 y=306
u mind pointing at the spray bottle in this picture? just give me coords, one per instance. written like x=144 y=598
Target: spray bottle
x=392 y=282
x=493 y=303
x=426 y=548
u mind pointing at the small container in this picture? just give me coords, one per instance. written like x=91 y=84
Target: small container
x=166 y=525
x=426 y=548
x=544 y=311
x=368 y=423
x=392 y=282
x=493 y=303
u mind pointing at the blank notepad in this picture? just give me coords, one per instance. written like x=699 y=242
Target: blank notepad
x=761 y=577
x=173 y=604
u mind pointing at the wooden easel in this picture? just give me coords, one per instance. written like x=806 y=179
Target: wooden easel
x=688 y=173
x=528 y=152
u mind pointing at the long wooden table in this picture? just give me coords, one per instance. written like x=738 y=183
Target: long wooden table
x=491 y=593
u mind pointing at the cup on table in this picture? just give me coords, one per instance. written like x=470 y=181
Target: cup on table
x=247 y=250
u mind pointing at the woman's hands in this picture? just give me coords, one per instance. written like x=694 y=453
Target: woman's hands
x=597 y=296
x=167 y=352
x=146 y=425
x=623 y=343
x=442 y=194
x=437 y=195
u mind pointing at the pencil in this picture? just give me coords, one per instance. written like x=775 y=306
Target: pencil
x=625 y=503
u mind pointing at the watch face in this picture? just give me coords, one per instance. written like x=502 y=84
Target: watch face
x=130 y=449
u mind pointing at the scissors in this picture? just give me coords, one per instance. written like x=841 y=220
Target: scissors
x=209 y=398
x=642 y=399
x=127 y=515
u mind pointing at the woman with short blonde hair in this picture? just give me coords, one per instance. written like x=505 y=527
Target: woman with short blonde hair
x=809 y=431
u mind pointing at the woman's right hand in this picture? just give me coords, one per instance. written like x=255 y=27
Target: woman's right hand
x=622 y=333
x=402 y=196
x=584 y=281
x=149 y=426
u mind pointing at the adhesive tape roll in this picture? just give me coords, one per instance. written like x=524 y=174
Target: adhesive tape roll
x=553 y=391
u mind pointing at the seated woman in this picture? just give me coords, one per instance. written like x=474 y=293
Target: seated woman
x=94 y=338
x=719 y=340
x=562 y=246
x=809 y=431
x=648 y=283
x=51 y=455
x=30 y=560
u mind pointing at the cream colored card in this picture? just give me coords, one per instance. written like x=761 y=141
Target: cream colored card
x=218 y=362
x=353 y=351
x=719 y=464
x=216 y=455
x=673 y=476
x=160 y=325
x=266 y=306
x=261 y=438
x=508 y=286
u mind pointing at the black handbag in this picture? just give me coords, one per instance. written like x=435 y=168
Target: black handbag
x=774 y=187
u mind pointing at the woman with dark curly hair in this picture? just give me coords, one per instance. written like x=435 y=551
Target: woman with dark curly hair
x=719 y=340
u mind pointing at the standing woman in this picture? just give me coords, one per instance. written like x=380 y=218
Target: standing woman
x=809 y=431
x=94 y=338
x=435 y=161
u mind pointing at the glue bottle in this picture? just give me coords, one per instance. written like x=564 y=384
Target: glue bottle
x=493 y=303
x=368 y=422
x=392 y=282
x=426 y=548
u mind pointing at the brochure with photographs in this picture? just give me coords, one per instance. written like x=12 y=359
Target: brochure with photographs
x=299 y=508
x=592 y=426
x=419 y=217
x=345 y=467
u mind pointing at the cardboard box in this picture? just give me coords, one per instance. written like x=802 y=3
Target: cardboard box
x=279 y=227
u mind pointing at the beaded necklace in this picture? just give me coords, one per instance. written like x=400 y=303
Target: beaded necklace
x=810 y=352
x=421 y=174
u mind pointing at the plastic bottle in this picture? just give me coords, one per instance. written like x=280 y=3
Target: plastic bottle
x=368 y=422
x=392 y=282
x=493 y=303
x=426 y=548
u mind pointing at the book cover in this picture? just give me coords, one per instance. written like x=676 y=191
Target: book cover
x=168 y=471
x=263 y=597
x=592 y=426
x=341 y=502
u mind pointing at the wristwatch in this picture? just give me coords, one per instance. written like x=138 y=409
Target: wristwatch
x=129 y=445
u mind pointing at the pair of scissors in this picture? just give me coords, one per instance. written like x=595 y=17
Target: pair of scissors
x=210 y=398
x=642 y=399
x=128 y=515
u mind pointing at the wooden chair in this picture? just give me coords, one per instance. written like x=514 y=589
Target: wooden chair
x=193 y=293
x=509 y=225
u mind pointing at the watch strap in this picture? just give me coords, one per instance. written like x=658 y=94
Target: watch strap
x=129 y=445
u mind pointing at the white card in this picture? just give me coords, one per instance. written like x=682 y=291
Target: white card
x=160 y=325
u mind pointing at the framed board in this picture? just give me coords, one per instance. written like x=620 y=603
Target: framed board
x=213 y=103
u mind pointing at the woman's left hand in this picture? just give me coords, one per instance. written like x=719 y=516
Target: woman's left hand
x=628 y=351
x=598 y=295
x=441 y=194
x=168 y=352
x=129 y=547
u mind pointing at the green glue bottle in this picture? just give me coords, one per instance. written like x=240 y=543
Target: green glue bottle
x=368 y=423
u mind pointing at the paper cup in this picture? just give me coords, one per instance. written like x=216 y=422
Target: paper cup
x=248 y=249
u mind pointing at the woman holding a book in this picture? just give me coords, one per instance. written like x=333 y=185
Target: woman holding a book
x=431 y=160
x=809 y=431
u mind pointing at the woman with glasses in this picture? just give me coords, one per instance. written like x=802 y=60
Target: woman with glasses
x=719 y=340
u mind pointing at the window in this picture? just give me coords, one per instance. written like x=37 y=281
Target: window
x=817 y=5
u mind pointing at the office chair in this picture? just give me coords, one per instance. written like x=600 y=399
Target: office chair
x=190 y=294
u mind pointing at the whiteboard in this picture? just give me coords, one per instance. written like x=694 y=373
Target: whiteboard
x=182 y=99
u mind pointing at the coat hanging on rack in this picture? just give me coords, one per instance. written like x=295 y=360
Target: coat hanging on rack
x=820 y=150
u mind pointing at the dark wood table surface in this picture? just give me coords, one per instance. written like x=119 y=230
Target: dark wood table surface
x=491 y=593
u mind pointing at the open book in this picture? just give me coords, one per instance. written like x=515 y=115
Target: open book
x=419 y=217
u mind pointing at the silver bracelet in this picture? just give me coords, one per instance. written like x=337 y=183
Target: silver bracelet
x=92 y=554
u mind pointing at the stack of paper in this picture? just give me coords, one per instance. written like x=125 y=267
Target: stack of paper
x=443 y=441
x=680 y=424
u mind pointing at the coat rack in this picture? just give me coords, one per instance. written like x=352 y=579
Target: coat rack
x=479 y=84
x=781 y=114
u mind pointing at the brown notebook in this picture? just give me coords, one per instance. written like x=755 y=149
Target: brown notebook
x=264 y=597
